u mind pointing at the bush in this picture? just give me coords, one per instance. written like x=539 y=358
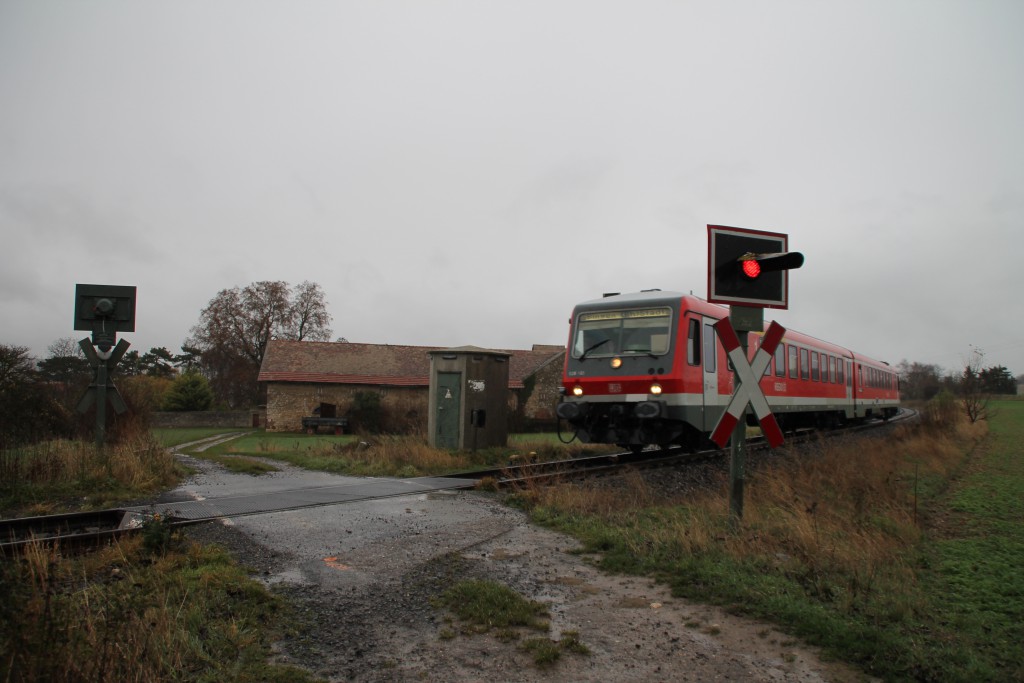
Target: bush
x=366 y=414
x=31 y=414
x=941 y=411
x=190 y=391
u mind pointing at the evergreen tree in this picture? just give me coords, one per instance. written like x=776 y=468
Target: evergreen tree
x=190 y=391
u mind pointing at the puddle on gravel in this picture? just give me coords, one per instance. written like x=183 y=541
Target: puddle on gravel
x=292 y=577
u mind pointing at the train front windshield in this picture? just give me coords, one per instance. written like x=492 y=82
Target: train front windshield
x=614 y=333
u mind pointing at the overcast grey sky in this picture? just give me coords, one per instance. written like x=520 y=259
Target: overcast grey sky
x=464 y=172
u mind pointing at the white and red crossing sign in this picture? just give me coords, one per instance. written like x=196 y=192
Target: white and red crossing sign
x=748 y=389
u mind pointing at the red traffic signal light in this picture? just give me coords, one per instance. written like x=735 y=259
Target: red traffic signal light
x=752 y=265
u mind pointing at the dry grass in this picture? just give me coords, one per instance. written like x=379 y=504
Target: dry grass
x=123 y=614
x=61 y=470
x=840 y=507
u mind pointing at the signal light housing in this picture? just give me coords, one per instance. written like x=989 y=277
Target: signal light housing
x=749 y=267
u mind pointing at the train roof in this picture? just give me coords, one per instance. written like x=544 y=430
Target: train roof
x=646 y=296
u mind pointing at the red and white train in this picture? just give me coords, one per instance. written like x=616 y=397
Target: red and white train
x=648 y=368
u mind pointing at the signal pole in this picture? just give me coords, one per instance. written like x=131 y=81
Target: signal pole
x=747 y=271
x=103 y=310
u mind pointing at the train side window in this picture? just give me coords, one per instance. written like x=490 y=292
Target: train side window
x=780 y=360
x=710 y=358
x=832 y=369
x=840 y=379
x=815 y=376
x=794 y=366
x=824 y=368
x=849 y=374
x=805 y=367
x=693 y=343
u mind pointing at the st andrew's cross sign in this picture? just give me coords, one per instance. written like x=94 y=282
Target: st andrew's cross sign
x=748 y=389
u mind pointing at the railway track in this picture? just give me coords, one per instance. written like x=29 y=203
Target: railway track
x=82 y=531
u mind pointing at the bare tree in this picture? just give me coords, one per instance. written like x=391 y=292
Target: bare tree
x=973 y=397
x=235 y=327
x=310 y=319
x=919 y=381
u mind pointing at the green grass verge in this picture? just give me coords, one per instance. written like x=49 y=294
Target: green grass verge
x=972 y=573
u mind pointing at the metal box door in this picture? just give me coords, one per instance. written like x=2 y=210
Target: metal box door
x=449 y=400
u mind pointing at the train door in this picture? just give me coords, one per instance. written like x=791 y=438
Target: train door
x=852 y=413
x=709 y=357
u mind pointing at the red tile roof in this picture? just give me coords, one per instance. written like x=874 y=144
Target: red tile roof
x=377 y=364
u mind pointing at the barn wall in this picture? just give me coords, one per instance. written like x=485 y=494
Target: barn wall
x=544 y=396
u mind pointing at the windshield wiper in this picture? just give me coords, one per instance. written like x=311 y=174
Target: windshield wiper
x=592 y=347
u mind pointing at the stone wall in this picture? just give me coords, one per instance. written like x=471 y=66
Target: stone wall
x=544 y=394
x=233 y=419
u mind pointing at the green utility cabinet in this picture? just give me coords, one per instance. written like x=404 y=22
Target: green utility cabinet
x=468 y=398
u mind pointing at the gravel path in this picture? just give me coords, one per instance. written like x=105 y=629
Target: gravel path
x=362 y=576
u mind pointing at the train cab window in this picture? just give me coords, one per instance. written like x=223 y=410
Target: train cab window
x=815 y=375
x=794 y=366
x=693 y=343
x=832 y=369
x=710 y=357
x=606 y=333
x=780 y=360
x=805 y=367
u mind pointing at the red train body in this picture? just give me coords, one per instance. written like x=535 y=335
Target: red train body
x=648 y=368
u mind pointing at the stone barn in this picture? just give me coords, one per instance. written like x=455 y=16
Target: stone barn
x=333 y=379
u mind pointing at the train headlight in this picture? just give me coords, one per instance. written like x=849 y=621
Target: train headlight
x=655 y=388
x=577 y=390
x=616 y=362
